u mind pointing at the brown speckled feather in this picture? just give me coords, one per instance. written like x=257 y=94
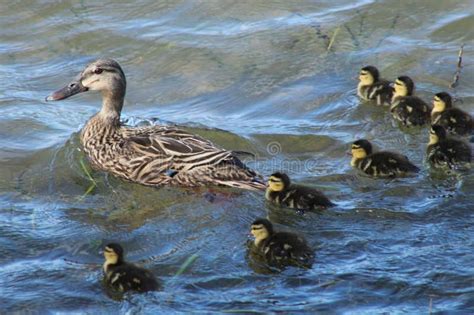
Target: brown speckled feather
x=151 y=156
x=160 y=155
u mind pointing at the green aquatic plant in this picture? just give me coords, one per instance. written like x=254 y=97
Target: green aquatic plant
x=333 y=38
x=191 y=259
x=89 y=176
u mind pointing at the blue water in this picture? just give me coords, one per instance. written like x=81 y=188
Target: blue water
x=249 y=75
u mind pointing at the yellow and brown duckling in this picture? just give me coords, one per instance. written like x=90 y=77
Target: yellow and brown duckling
x=372 y=88
x=280 y=191
x=380 y=164
x=281 y=248
x=452 y=119
x=123 y=276
x=444 y=151
x=410 y=110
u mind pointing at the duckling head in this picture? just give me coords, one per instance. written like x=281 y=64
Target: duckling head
x=404 y=86
x=113 y=254
x=278 y=182
x=441 y=102
x=103 y=75
x=368 y=75
x=437 y=133
x=359 y=150
x=261 y=229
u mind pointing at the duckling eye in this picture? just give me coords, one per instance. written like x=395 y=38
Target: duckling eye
x=98 y=70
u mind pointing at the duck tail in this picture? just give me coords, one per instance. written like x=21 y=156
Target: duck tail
x=255 y=184
x=413 y=168
x=331 y=204
x=243 y=153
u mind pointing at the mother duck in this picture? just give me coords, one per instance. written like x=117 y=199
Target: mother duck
x=152 y=155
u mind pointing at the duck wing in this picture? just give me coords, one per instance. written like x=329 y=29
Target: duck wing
x=165 y=132
x=410 y=111
x=287 y=248
x=130 y=277
x=437 y=157
x=382 y=92
x=309 y=198
x=173 y=156
x=457 y=121
x=457 y=153
x=387 y=164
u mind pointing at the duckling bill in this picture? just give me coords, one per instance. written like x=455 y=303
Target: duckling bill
x=372 y=88
x=410 y=110
x=282 y=192
x=452 y=119
x=281 y=248
x=123 y=276
x=380 y=164
x=444 y=151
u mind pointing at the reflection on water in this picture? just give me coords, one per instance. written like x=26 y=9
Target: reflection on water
x=251 y=76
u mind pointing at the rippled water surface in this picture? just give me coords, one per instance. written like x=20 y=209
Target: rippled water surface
x=249 y=75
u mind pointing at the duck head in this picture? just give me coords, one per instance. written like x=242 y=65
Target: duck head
x=368 y=75
x=261 y=229
x=441 y=102
x=437 y=133
x=113 y=253
x=103 y=75
x=404 y=86
x=278 y=182
x=360 y=149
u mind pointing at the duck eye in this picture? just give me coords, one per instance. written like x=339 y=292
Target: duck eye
x=98 y=70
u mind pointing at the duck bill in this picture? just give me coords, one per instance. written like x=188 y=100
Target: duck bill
x=69 y=90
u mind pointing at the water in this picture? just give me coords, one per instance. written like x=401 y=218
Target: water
x=259 y=73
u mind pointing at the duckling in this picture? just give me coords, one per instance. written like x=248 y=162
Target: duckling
x=280 y=191
x=444 y=151
x=379 y=164
x=372 y=87
x=281 y=248
x=123 y=276
x=452 y=119
x=410 y=110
